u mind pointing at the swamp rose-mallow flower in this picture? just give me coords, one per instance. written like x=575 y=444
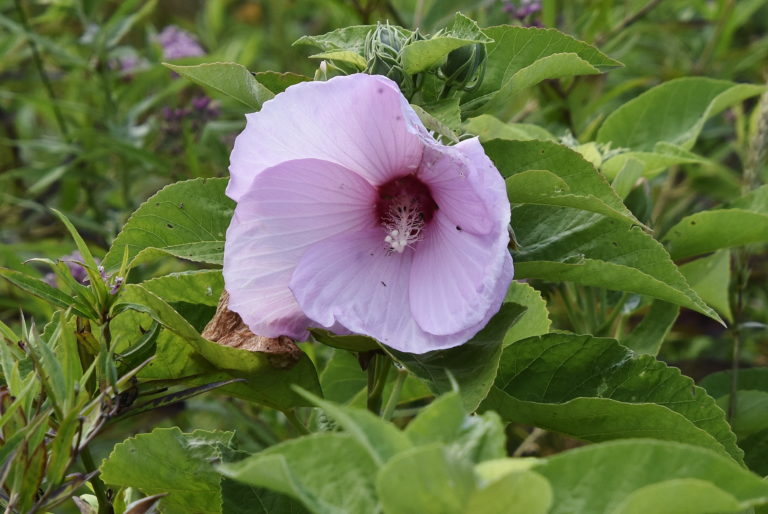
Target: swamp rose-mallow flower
x=351 y=216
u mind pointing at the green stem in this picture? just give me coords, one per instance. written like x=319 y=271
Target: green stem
x=99 y=489
x=394 y=397
x=742 y=279
x=41 y=71
x=378 y=369
x=290 y=414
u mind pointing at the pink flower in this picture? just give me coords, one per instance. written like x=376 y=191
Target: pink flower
x=351 y=216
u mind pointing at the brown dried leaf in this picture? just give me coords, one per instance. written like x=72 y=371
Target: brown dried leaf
x=228 y=329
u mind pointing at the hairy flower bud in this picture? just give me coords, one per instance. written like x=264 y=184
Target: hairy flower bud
x=464 y=67
x=383 y=46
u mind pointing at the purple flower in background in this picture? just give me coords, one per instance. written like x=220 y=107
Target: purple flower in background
x=523 y=9
x=351 y=215
x=74 y=262
x=178 y=43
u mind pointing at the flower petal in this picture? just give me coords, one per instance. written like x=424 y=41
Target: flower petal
x=288 y=208
x=455 y=275
x=450 y=177
x=486 y=179
x=352 y=280
x=361 y=122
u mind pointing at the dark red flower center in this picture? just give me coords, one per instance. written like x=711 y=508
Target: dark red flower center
x=404 y=206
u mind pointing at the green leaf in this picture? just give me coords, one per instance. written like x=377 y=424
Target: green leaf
x=446 y=112
x=707 y=231
x=47 y=293
x=487 y=128
x=649 y=334
x=595 y=389
x=652 y=163
x=428 y=53
x=541 y=172
x=756 y=452
x=342 y=379
x=328 y=472
x=279 y=82
x=660 y=115
x=560 y=244
x=380 y=438
x=535 y=320
x=522 y=57
x=524 y=491
x=425 y=480
x=346 y=56
x=751 y=414
x=228 y=78
x=719 y=384
x=168 y=461
x=202 y=287
x=626 y=178
x=643 y=476
x=445 y=420
x=710 y=277
x=91 y=268
x=187 y=219
x=351 y=39
x=269 y=381
x=472 y=365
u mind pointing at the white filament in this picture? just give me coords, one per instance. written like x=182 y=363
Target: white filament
x=403 y=224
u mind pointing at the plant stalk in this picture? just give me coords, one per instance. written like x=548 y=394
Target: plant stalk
x=99 y=489
x=378 y=369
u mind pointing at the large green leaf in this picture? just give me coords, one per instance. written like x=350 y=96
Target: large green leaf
x=673 y=112
x=228 y=78
x=541 y=172
x=521 y=491
x=426 y=480
x=169 y=461
x=643 y=476
x=472 y=365
x=427 y=53
x=562 y=244
x=521 y=57
x=707 y=231
x=595 y=389
x=202 y=287
x=328 y=472
x=268 y=380
x=187 y=219
x=434 y=479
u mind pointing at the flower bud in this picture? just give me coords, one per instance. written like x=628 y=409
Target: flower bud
x=382 y=53
x=464 y=67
